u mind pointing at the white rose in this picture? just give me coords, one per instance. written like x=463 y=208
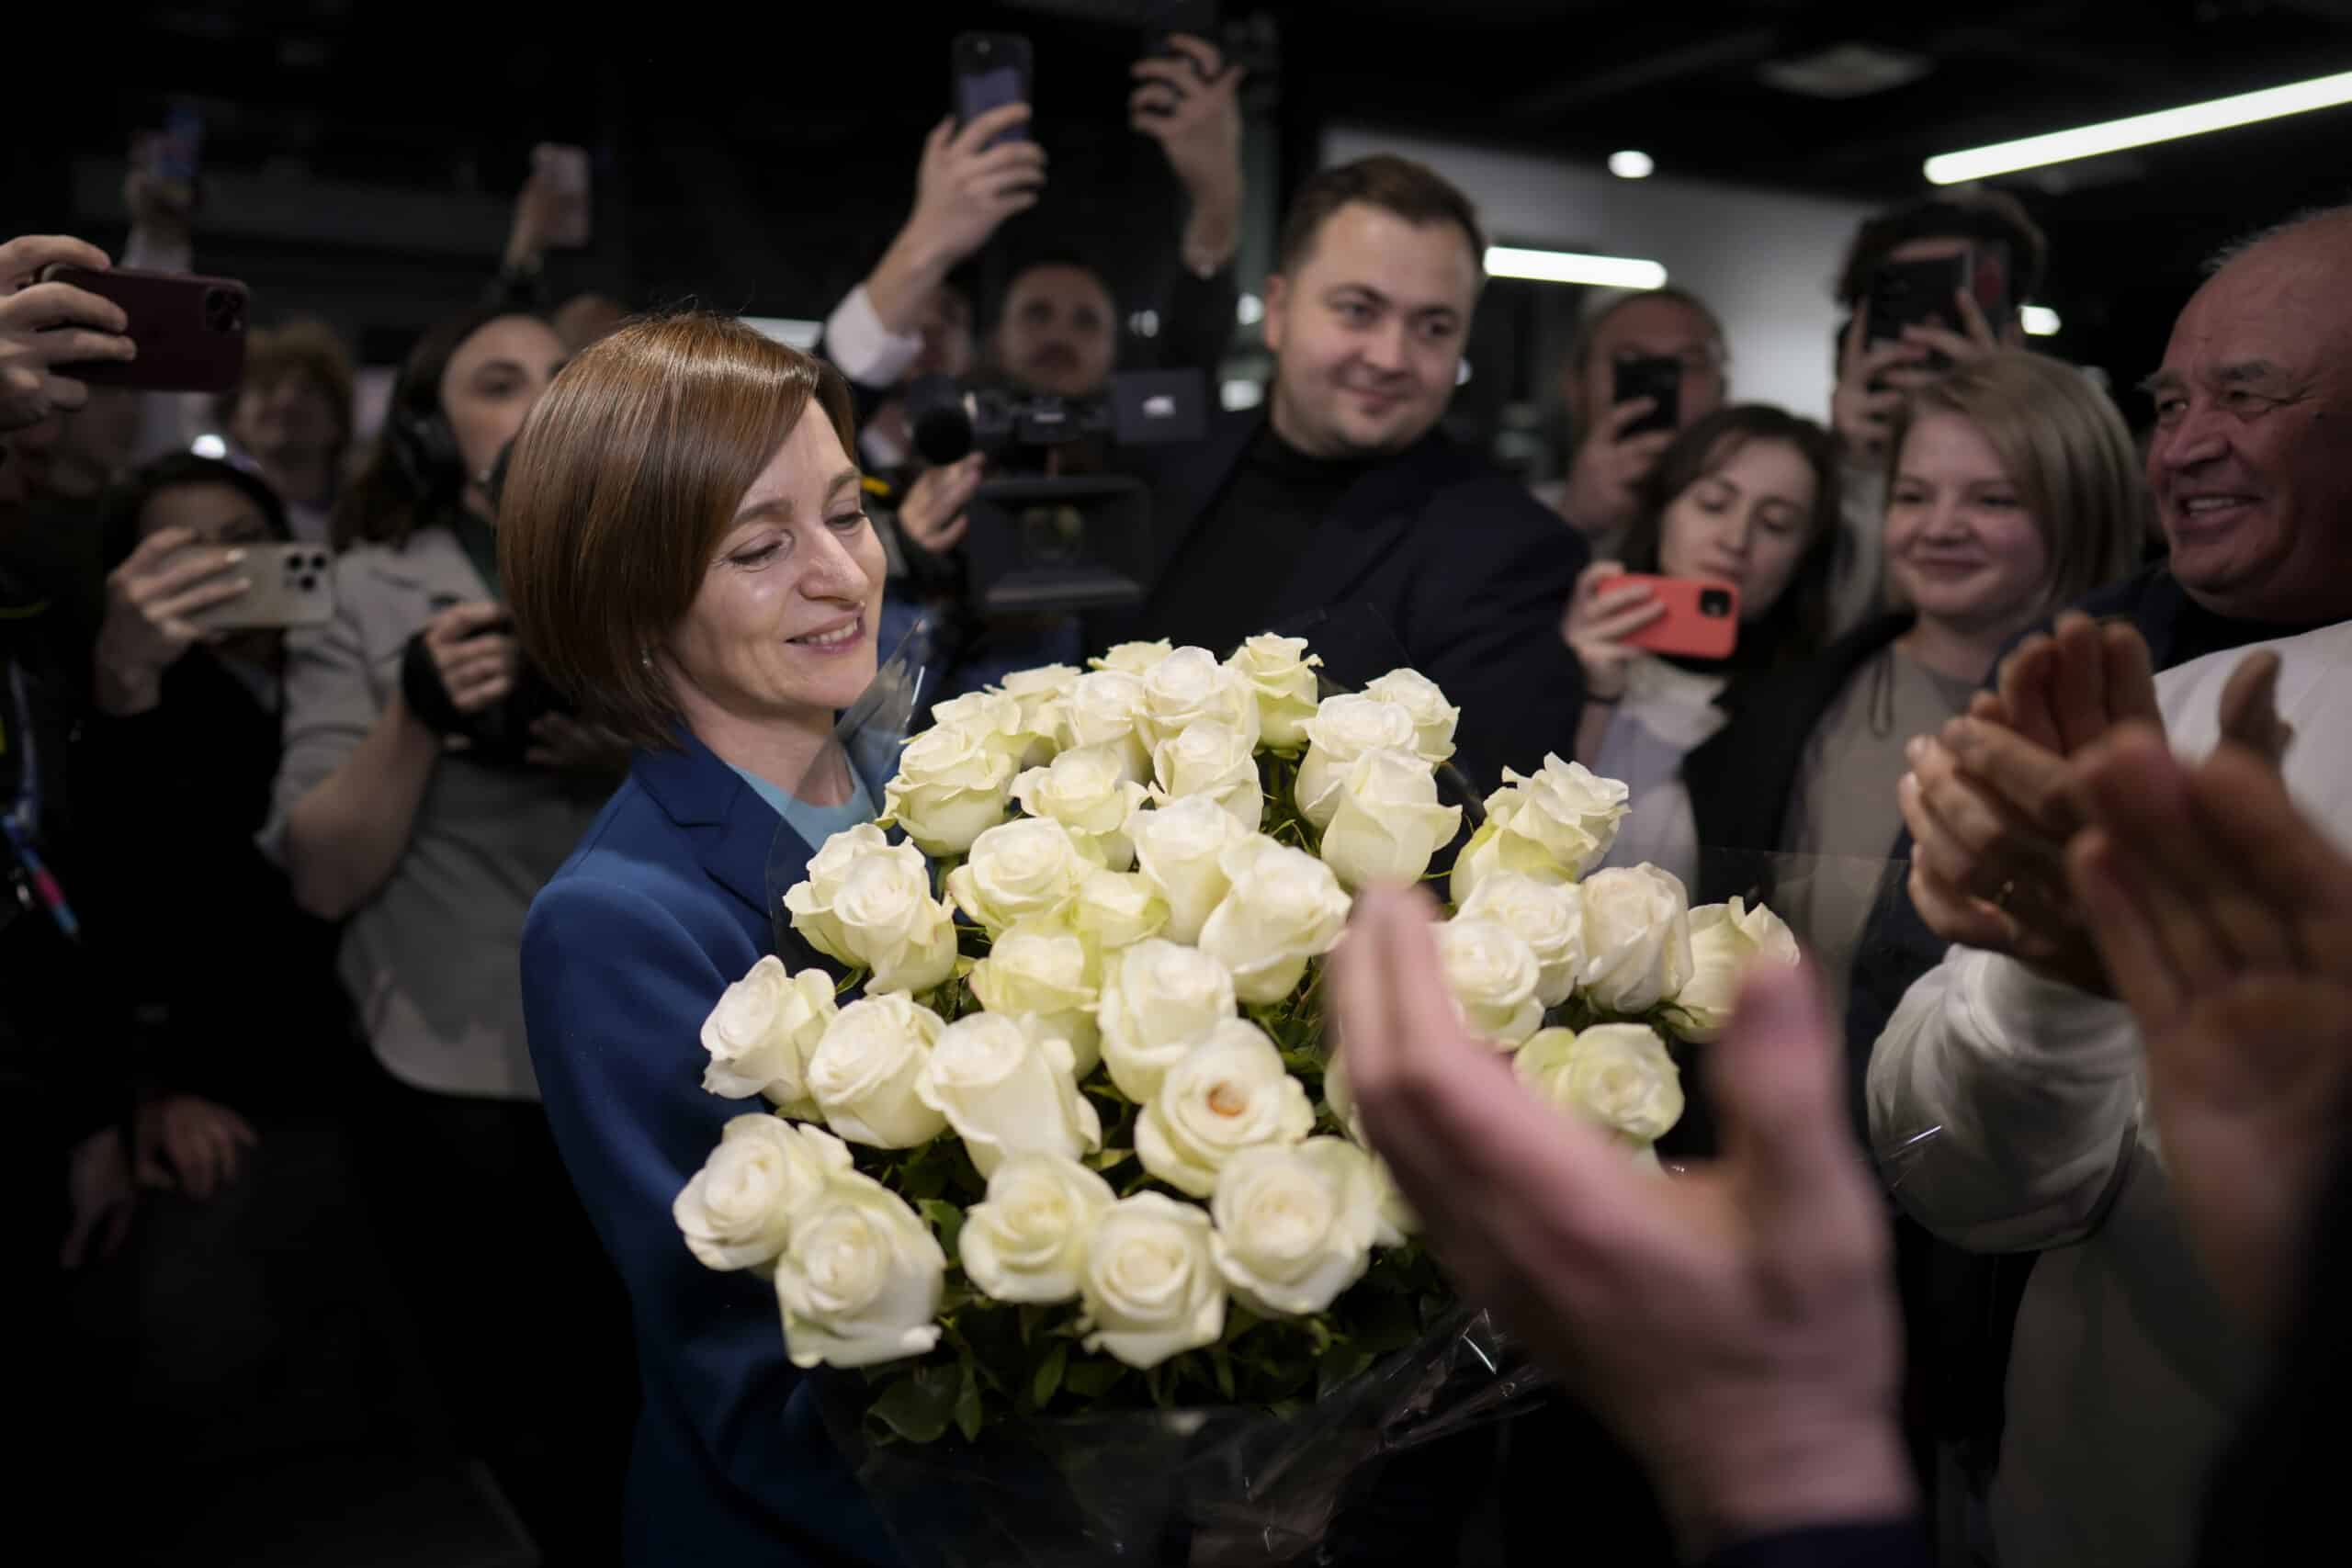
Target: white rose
x=1229 y=1093
x=1151 y=1288
x=1283 y=907
x=1281 y=674
x=1493 y=976
x=1026 y=1241
x=737 y=1211
x=994 y=718
x=868 y=902
x=1160 y=998
x=1213 y=761
x=1553 y=826
x=1047 y=969
x=1026 y=869
x=1388 y=825
x=1086 y=790
x=861 y=1281
x=1179 y=846
x=1548 y=917
x=1294 y=1223
x=1433 y=716
x=1042 y=693
x=1343 y=729
x=1397 y=1221
x=1636 y=938
x=1339 y=1095
x=1616 y=1074
x=1007 y=1089
x=1117 y=909
x=1133 y=658
x=865 y=1072
x=760 y=1035
x=951 y=787
x=1726 y=939
x=1190 y=686
x=1100 y=710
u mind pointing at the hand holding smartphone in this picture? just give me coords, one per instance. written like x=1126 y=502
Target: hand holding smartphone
x=1700 y=618
x=1657 y=377
x=290 y=585
x=565 y=169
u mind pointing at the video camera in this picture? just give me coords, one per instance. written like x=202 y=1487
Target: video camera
x=1043 y=543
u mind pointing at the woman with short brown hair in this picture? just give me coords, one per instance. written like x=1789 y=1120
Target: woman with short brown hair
x=691 y=560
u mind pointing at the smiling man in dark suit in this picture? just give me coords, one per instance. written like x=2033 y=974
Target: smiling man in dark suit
x=1341 y=493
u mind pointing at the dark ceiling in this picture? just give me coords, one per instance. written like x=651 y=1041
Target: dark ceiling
x=757 y=159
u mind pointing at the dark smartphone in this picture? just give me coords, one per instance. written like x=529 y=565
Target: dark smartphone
x=190 y=330
x=1656 y=377
x=1915 y=294
x=1162 y=20
x=1702 y=619
x=988 y=71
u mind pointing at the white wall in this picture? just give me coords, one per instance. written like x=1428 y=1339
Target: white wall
x=1764 y=260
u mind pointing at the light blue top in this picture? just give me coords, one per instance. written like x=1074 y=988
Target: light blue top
x=815 y=824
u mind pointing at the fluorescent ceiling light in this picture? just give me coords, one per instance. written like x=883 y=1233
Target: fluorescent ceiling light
x=2164 y=125
x=2039 y=320
x=1569 y=266
x=209 y=445
x=1632 y=165
x=800 y=334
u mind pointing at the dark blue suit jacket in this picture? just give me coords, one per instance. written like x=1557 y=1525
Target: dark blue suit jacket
x=627 y=949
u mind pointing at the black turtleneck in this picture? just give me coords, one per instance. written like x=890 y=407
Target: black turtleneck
x=1222 y=584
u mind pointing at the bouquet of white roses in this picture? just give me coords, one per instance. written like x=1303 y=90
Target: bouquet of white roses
x=1078 y=1145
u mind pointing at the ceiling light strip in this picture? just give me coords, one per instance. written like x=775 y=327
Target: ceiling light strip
x=2164 y=125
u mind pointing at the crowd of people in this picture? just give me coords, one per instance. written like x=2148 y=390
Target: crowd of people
x=350 y=966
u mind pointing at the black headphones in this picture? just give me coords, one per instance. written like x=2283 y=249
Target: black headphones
x=426 y=450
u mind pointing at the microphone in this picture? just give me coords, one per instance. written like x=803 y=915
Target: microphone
x=939 y=419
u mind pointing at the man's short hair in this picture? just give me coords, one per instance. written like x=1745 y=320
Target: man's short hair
x=622 y=483
x=1992 y=215
x=300 y=345
x=1415 y=192
x=1603 y=307
x=2309 y=217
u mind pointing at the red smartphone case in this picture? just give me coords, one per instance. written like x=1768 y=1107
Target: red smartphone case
x=1702 y=619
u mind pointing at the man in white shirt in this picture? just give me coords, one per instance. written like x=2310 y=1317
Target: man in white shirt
x=2008 y=1087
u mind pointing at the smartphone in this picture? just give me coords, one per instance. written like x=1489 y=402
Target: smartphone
x=190 y=330
x=175 y=154
x=1162 y=20
x=293 y=585
x=1702 y=619
x=1656 y=377
x=986 y=70
x=1915 y=294
x=566 y=170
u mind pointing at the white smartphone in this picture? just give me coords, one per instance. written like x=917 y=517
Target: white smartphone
x=293 y=585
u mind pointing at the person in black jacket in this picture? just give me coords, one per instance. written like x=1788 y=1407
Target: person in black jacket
x=1341 y=495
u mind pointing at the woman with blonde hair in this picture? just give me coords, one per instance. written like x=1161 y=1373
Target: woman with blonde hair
x=2012 y=490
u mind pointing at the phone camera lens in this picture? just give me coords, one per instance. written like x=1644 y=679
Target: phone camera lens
x=1715 y=602
x=224 y=310
x=307 y=583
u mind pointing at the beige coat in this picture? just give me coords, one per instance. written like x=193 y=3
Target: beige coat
x=431 y=959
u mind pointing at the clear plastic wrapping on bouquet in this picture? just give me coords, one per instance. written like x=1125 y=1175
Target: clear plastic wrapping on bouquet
x=1182 y=1487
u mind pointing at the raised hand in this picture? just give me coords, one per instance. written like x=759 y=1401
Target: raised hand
x=43 y=326
x=2226 y=919
x=1598 y=619
x=149 y=600
x=1737 y=1324
x=1605 y=479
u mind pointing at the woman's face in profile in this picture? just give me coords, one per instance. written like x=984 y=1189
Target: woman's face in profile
x=790 y=603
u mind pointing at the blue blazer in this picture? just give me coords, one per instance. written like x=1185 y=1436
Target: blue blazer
x=662 y=907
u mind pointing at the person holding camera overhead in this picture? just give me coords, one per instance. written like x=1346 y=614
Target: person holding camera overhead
x=430 y=784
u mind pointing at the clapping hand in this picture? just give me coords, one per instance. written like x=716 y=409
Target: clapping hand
x=2226 y=919
x=1735 y=1325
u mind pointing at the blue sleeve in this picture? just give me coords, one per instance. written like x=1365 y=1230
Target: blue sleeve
x=615 y=990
